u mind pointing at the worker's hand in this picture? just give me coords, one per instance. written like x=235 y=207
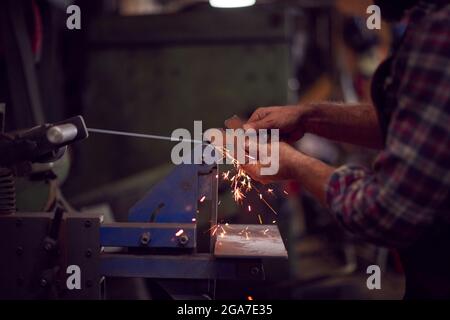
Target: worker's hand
x=287 y=119
x=286 y=161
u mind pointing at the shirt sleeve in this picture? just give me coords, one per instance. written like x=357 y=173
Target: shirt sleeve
x=408 y=187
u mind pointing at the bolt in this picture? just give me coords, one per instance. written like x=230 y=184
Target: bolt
x=48 y=246
x=19 y=251
x=87 y=223
x=183 y=239
x=145 y=238
x=43 y=282
x=88 y=253
x=254 y=271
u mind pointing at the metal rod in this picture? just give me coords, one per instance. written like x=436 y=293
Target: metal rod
x=145 y=136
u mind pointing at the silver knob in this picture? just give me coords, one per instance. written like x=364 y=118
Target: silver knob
x=62 y=133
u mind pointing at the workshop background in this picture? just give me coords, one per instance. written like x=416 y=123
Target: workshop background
x=151 y=66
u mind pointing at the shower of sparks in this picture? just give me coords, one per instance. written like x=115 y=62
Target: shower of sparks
x=179 y=232
x=241 y=184
x=202 y=198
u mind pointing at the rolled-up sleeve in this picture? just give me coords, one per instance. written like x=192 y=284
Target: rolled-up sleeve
x=408 y=187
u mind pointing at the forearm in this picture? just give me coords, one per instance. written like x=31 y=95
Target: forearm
x=312 y=174
x=355 y=124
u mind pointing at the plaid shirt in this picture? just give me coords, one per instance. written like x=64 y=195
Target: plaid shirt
x=408 y=188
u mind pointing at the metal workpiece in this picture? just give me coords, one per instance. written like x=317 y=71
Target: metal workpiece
x=250 y=241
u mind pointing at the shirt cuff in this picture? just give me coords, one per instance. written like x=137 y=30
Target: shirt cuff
x=339 y=182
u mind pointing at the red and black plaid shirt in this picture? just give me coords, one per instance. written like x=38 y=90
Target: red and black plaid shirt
x=408 y=188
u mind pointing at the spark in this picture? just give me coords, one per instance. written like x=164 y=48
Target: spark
x=265 y=202
x=202 y=198
x=218 y=227
x=238 y=195
x=270 y=207
x=245 y=232
x=260 y=219
x=250 y=298
x=193 y=219
x=226 y=175
x=265 y=231
x=274 y=221
x=179 y=232
x=285 y=192
x=249 y=208
x=270 y=191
